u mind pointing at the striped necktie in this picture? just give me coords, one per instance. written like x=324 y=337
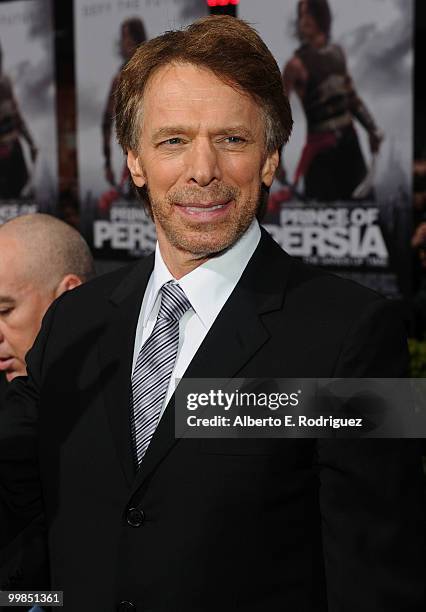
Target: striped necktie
x=154 y=366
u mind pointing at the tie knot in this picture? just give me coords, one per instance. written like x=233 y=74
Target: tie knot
x=174 y=302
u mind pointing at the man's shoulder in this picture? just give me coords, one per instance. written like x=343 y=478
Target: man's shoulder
x=339 y=319
x=317 y=289
x=84 y=309
x=100 y=289
x=326 y=285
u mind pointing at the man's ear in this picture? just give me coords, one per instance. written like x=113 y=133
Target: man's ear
x=135 y=169
x=70 y=281
x=269 y=167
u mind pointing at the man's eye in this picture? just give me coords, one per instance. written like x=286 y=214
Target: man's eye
x=172 y=141
x=5 y=311
x=234 y=139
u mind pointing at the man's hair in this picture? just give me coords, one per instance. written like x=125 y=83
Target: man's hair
x=320 y=11
x=52 y=248
x=227 y=46
x=136 y=29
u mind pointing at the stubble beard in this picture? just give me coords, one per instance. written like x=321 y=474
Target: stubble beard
x=203 y=240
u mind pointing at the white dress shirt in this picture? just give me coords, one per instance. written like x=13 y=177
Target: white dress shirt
x=207 y=288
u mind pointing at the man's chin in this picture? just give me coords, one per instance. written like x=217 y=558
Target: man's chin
x=207 y=242
x=201 y=249
x=12 y=375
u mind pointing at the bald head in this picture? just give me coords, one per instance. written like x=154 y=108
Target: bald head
x=41 y=258
x=50 y=249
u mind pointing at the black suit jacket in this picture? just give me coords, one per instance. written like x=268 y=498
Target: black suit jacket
x=3 y=389
x=254 y=525
x=24 y=562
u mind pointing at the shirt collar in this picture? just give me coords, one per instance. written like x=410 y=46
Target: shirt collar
x=209 y=285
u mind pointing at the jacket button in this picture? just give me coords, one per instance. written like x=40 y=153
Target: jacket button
x=126 y=606
x=134 y=518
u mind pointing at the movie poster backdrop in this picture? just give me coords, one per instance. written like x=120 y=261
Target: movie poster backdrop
x=106 y=34
x=335 y=206
x=28 y=140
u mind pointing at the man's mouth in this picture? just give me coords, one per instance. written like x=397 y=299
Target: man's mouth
x=209 y=208
x=204 y=211
x=5 y=363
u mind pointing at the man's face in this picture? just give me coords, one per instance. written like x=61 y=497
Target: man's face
x=202 y=158
x=307 y=26
x=127 y=44
x=22 y=306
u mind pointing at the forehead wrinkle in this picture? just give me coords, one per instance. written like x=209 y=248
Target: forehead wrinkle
x=195 y=90
x=188 y=97
x=183 y=101
x=183 y=129
x=178 y=87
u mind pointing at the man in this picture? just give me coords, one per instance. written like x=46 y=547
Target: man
x=141 y=520
x=132 y=34
x=41 y=258
x=13 y=168
x=332 y=163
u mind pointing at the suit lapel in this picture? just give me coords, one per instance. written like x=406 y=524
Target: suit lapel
x=116 y=353
x=236 y=335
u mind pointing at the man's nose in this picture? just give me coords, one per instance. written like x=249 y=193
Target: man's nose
x=202 y=165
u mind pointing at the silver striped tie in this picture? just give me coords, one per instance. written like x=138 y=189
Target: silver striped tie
x=154 y=367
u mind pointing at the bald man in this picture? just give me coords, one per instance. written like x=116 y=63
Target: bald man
x=41 y=258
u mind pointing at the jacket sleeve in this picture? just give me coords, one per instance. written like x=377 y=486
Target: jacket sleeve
x=372 y=490
x=20 y=490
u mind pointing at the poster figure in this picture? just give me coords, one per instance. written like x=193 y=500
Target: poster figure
x=113 y=217
x=132 y=34
x=342 y=200
x=28 y=136
x=14 y=173
x=332 y=163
